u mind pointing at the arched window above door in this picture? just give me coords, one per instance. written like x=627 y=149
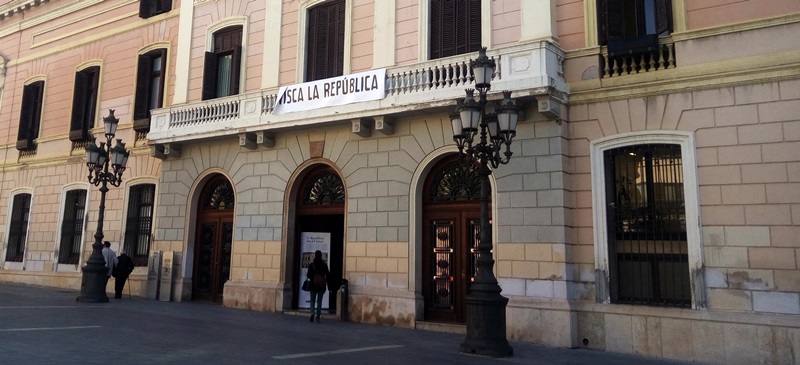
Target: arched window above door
x=324 y=188
x=455 y=181
x=218 y=194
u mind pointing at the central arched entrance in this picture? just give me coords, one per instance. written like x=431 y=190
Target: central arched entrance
x=319 y=215
x=213 y=240
x=450 y=232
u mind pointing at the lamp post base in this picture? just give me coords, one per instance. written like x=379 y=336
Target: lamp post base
x=486 y=325
x=93 y=284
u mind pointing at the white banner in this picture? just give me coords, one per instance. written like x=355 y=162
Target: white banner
x=310 y=242
x=340 y=90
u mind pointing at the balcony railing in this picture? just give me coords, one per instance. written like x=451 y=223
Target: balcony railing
x=659 y=57
x=535 y=66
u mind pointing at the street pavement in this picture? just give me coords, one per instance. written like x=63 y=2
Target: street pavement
x=43 y=325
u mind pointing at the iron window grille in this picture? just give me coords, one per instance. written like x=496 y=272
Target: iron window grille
x=72 y=227
x=18 y=230
x=139 y=223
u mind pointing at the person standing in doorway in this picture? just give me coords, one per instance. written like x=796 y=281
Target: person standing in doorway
x=124 y=269
x=111 y=259
x=318 y=276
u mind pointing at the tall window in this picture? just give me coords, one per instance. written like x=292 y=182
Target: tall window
x=221 y=69
x=646 y=218
x=149 y=87
x=625 y=19
x=455 y=27
x=30 y=116
x=139 y=223
x=148 y=8
x=72 y=227
x=325 y=41
x=84 y=103
x=18 y=230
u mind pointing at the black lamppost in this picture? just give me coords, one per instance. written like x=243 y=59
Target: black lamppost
x=486 y=308
x=93 y=284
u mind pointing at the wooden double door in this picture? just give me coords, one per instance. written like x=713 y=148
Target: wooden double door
x=213 y=256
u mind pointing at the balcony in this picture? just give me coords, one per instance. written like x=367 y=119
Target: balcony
x=529 y=70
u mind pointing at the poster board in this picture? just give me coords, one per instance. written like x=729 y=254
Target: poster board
x=165 y=290
x=310 y=242
x=153 y=275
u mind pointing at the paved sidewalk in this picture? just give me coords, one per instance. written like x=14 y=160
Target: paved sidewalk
x=41 y=325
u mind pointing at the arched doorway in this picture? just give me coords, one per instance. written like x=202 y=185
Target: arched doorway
x=450 y=232
x=213 y=240
x=319 y=212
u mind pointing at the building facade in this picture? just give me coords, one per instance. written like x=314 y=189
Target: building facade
x=66 y=64
x=650 y=205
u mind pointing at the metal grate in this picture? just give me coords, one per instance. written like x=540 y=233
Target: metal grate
x=18 y=230
x=139 y=223
x=442 y=265
x=647 y=225
x=72 y=227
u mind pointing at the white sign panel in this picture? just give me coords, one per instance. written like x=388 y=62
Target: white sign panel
x=340 y=90
x=310 y=242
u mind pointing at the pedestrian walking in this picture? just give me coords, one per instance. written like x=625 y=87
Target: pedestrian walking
x=111 y=259
x=318 y=276
x=121 y=273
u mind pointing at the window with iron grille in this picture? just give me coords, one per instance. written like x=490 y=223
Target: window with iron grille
x=139 y=223
x=148 y=8
x=325 y=40
x=455 y=27
x=646 y=218
x=149 y=87
x=18 y=230
x=72 y=227
x=222 y=65
x=30 y=116
x=84 y=103
x=629 y=19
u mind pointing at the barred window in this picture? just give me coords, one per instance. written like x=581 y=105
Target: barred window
x=646 y=214
x=72 y=227
x=139 y=223
x=18 y=230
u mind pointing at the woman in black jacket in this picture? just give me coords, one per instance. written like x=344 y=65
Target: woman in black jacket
x=318 y=276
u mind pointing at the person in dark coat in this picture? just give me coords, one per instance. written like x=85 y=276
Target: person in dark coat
x=318 y=277
x=123 y=270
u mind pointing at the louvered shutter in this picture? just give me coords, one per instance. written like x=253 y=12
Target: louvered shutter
x=24 y=135
x=236 y=62
x=76 y=132
x=663 y=10
x=474 y=26
x=143 y=74
x=166 y=5
x=145 y=9
x=611 y=16
x=435 y=29
x=210 y=76
x=338 y=51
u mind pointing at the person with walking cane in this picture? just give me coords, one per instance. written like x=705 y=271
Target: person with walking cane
x=123 y=270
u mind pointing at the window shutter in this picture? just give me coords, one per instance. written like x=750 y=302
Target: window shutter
x=143 y=80
x=338 y=51
x=663 y=16
x=236 y=65
x=166 y=5
x=435 y=29
x=474 y=26
x=24 y=135
x=78 y=108
x=145 y=8
x=210 y=76
x=611 y=19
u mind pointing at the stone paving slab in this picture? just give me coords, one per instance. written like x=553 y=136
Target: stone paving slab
x=42 y=325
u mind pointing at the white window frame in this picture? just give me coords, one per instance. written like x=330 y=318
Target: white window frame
x=424 y=33
x=10 y=209
x=686 y=140
x=302 y=34
x=67 y=188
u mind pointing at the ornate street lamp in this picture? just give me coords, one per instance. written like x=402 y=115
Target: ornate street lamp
x=486 y=308
x=93 y=284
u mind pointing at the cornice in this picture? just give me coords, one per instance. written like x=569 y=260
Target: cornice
x=18 y=6
x=734 y=28
x=743 y=71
